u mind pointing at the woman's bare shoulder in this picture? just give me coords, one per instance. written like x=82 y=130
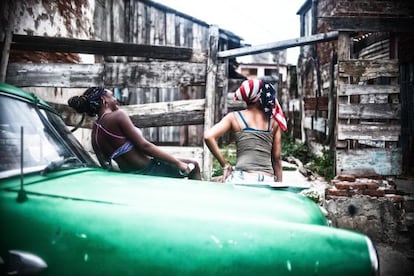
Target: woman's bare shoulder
x=119 y=113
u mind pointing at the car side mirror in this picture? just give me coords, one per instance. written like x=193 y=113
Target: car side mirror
x=22 y=263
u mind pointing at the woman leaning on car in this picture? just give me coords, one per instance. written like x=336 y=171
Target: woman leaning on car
x=257 y=130
x=115 y=137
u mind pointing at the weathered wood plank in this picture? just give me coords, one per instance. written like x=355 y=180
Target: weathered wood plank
x=369 y=132
x=354 y=89
x=55 y=75
x=104 y=48
x=279 y=45
x=368 y=111
x=176 y=113
x=141 y=22
x=318 y=124
x=375 y=98
x=154 y=74
x=55 y=95
x=368 y=69
x=344 y=46
x=145 y=74
x=170 y=31
x=369 y=161
x=371 y=23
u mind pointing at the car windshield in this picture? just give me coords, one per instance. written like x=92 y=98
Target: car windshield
x=41 y=133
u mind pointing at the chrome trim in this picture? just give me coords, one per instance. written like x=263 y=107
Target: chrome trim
x=373 y=256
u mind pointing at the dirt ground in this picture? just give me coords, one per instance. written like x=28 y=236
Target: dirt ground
x=395 y=261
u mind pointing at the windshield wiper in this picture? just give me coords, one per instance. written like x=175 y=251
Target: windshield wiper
x=56 y=165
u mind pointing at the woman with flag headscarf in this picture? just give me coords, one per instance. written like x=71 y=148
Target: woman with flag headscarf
x=257 y=131
x=114 y=137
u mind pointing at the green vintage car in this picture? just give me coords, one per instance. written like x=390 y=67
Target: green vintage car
x=61 y=214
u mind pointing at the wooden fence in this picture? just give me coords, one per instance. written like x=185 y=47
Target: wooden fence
x=368 y=127
x=173 y=67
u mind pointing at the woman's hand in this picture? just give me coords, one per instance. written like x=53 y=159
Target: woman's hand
x=227 y=170
x=186 y=168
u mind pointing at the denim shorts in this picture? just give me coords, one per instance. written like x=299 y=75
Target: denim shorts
x=243 y=177
x=160 y=168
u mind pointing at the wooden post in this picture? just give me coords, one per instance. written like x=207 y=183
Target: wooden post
x=210 y=96
x=343 y=54
x=7 y=38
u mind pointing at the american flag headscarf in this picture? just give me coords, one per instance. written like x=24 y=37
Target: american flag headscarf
x=251 y=90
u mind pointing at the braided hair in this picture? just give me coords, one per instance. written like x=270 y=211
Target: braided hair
x=90 y=102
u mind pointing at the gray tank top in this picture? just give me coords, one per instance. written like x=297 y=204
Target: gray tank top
x=254 y=149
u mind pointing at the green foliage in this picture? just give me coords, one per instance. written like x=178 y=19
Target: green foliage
x=323 y=165
x=230 y=154
x=299 y=150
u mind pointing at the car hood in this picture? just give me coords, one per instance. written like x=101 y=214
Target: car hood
x=94 y=222
x=179 y=196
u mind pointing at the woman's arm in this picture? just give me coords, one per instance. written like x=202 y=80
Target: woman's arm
x=99 y=155
x=210 y=138
x=276 y=152
x=130 y=131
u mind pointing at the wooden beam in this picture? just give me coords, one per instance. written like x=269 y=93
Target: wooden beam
x=104 y=48
x=157 y=74
x=368 y=69
x=176 y=113
x=55 y=74
x=280 y=45
x=369 y=111
x=355 y=89
x=369 y=24
x=384 y=132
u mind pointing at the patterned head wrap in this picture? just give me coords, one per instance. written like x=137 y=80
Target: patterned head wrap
x=249 y=91
x=253 y=90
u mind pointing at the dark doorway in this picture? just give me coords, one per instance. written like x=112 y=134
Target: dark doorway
x=407 y=117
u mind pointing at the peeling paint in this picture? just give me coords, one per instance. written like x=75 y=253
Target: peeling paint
x=63 y=18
